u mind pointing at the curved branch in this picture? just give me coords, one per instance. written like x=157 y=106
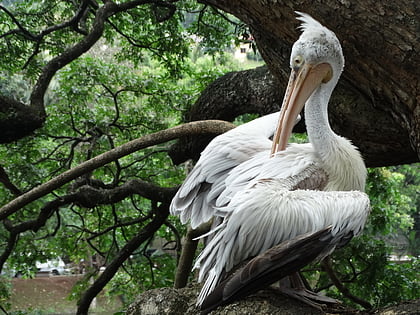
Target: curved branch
x=33 y=225
x=90 y=197
x=72 y=22
x=102 y=14
x=11 y=242
x=194 y=128
x=38 y=37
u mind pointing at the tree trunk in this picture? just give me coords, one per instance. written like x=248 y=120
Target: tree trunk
x=380 y=43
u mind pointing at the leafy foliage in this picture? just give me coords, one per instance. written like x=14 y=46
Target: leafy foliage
x=391 y=208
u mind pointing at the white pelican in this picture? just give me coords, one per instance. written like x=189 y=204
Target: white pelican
x=296 y=194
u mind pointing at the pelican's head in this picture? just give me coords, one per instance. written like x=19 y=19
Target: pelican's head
x=316 y=45
x=316 y=62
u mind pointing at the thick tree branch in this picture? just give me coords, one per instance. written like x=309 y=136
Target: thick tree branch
x=17 y=119
x=90 y=197
x=87 y=196
x=199 y=127
x=234 y=94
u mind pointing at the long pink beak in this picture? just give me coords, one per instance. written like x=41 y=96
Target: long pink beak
x=302 y=84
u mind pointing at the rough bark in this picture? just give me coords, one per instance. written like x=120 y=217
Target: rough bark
x=377 y=101
x=266 y=302
x=233 y=94
x=379 y=89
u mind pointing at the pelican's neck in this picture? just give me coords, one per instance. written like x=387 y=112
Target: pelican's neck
x=341 y=160
x=318 y=127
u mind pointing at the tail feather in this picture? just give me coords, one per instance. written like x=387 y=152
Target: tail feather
x=209 y=286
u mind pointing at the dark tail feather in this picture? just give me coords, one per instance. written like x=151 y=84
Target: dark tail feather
x=269 y=267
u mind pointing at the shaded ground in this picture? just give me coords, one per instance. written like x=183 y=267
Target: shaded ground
x=50 y=294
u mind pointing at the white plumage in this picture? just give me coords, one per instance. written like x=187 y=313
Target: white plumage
x=269 y=213
x=268 y=199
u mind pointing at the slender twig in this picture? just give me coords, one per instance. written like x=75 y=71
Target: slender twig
x=35 y=52
x=143 y=157
x=226 y=18
x=133 y=42
x=117 y=225
x=96 y=249
x=115 y=99
x=177 y=237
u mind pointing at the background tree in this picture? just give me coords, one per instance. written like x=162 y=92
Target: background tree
x=90 y=93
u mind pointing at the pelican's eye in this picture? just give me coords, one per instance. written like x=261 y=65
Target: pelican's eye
x=297 y=62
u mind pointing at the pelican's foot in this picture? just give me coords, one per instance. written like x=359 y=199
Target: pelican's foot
x=308 y=297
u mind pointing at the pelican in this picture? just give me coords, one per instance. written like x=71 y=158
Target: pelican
x=292 y=195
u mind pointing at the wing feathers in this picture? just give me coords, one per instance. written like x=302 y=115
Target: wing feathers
x=268 y=214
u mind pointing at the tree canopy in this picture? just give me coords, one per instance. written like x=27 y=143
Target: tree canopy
x=96 y=104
